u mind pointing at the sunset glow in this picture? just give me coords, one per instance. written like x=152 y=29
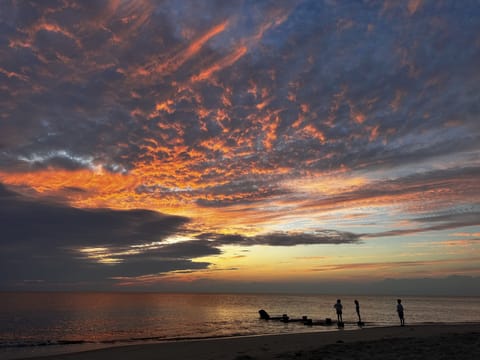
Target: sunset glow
x=180 y=145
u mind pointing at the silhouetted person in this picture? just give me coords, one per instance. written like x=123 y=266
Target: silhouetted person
x=338 y=307
x=357 y=309
x=400 y=312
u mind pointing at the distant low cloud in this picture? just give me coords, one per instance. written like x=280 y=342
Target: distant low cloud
x=454 y=285
x=48 y=243
x=286 y=238
x=43 y=240
x=442 y=222
x=33 y=222
x=426 y=192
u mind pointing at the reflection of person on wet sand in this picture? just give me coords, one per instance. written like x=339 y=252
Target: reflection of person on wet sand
x=400 y=312
x=357 y=309
x=338 y=307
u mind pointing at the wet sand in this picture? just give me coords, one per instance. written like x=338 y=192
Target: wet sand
x=410 y=342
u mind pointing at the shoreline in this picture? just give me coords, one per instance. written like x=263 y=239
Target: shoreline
x=358 y=342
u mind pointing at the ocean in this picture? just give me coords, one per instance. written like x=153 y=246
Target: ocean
x=33 y=324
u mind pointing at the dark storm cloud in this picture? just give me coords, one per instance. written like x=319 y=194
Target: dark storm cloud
x=285 y=238
x=150 y=266
x=58 y=244
x=42 y=240
x=32 y=222
x=182 y=250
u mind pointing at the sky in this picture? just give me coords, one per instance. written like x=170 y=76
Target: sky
x=279 y=146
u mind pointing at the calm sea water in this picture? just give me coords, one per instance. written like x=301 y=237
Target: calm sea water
x=44 y=323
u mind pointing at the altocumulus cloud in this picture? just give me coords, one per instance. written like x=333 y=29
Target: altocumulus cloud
x=305 y=87
x=154 y=105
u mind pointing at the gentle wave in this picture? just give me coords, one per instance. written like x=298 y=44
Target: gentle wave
x=121 y=341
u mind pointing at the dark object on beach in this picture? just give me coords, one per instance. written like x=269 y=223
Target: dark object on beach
x=340 y=324
x=360 y=323
x=264 y=315
x=304 y=319
x=284 y=318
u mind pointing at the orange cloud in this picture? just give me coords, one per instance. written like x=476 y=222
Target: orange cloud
x=381 y=266
x=277 y=17
x=395 y=104
x=373 y=133
x=11 y=74
x=413 y=6
x=223 y=63
x=359 y=118
x=166 y=106
x=175 y=62
x=270 y=131
x=84 y=188
x=467 y=234
x=314 y=133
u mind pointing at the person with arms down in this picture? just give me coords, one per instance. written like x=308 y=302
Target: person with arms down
x=339 y=307
x=400 y=312
x=357 y=310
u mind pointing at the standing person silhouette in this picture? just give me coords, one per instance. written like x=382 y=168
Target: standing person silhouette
x=338 y=307
x=400 y=312
x=357 y=309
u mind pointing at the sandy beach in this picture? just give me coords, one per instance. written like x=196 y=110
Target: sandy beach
x=409 y=342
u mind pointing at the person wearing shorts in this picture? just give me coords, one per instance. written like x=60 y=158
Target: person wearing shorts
x=338 y=307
